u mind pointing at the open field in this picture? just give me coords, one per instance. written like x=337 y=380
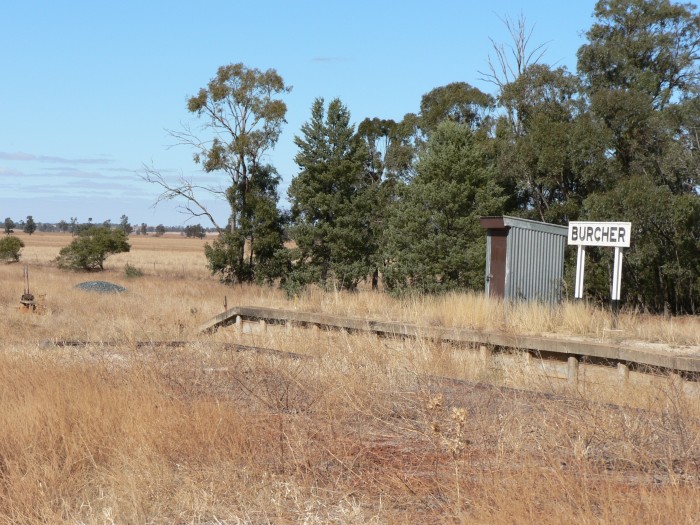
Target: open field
x=176 y=257
x=350 y=429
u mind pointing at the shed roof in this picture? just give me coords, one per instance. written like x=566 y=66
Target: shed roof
x=503 y=222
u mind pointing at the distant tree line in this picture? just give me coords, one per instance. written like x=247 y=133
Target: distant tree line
x=92 y=242
x=74 y=227
x=397 y=202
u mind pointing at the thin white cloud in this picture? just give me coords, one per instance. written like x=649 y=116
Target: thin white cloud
x=84 y=189
x=30 y=157
x=52 y=174
x=122 y=170
x=9 y=172
x=56 y=172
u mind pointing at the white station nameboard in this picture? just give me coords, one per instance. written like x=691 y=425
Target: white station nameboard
x=614 y=234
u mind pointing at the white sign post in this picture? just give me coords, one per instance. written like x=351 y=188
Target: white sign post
x=613 y=234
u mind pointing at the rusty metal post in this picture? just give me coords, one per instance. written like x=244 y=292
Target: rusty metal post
x=27 y=300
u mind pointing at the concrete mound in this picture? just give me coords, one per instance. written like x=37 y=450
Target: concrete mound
x=100 y=287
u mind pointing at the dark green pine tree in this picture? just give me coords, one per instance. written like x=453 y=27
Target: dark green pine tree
x=390 y=155
x=331 y=204
x=433 y=241
x=259 y=233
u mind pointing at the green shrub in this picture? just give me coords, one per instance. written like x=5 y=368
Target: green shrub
x=92 y=246
x=132 y=271
x=10 y=248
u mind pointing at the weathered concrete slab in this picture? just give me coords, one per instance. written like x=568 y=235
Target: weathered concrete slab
x=563 y=347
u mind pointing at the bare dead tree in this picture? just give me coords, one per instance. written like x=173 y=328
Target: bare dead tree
x=185 y=192
x=512 y=59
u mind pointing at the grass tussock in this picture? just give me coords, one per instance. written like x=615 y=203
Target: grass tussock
x=193 y=436
x=342 y=428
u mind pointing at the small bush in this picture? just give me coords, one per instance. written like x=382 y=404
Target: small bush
x=10 y=248
x=91 y=248
x=132 y=271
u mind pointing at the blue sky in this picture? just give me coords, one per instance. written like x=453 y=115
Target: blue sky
x=88 y=89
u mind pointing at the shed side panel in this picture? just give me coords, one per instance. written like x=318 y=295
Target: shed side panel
x=534 y=265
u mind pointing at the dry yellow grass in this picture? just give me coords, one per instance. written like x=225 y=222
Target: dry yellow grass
x=168 y=255
x=176 y=257
x=360 y=432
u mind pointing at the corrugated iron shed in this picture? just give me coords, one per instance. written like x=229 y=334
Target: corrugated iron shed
x=524 y=259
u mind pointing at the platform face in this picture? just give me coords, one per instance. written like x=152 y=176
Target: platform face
x=542 y=345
